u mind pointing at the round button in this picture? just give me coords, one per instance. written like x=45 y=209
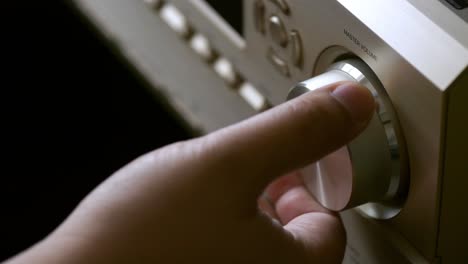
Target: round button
x=280 y=64
x=278 y=31
x=370 y=172
x=296 y=48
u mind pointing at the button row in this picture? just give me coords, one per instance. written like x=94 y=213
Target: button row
x=201 y=46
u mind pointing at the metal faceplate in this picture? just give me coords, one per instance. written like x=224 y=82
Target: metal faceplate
x=416 y=48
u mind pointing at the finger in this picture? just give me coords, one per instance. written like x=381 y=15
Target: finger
x=322 y=235
x=254 y=152
x=295 y=202
x=281 y=185
x=265 y=206
x=289 y=198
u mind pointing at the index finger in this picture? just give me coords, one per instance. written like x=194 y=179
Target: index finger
x=254 y=152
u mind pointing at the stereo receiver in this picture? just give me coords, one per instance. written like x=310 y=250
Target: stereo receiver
x=401 y=186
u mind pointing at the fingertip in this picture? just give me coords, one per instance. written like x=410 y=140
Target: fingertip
x=357 y=100
x=322 y=235
x=282 y=184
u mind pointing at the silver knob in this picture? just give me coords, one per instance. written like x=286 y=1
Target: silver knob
x=371 y=171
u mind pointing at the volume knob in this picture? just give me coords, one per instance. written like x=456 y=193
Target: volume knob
x=370 y=172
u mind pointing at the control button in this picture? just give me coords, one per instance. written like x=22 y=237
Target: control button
x=278 y=31
x=296 y=48
x=282 y=5
x=201 y=45
x=259 y=16
x=226 y=71
x=458 y=4
x=279 y=63
x=176 y=20
x=253 y=97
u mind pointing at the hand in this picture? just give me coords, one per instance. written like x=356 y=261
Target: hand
x=201 y=201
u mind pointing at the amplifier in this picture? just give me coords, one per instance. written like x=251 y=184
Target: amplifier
x=402 y=183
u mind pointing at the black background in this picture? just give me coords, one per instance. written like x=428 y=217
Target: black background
x=71 y=114
x=231 y=11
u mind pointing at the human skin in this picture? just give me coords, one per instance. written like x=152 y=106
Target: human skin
x=232 y=196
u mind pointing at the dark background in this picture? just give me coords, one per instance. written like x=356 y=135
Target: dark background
x=71 y=114
x=231 y=11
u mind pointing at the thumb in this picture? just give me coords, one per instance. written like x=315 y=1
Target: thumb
x=252 y=153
